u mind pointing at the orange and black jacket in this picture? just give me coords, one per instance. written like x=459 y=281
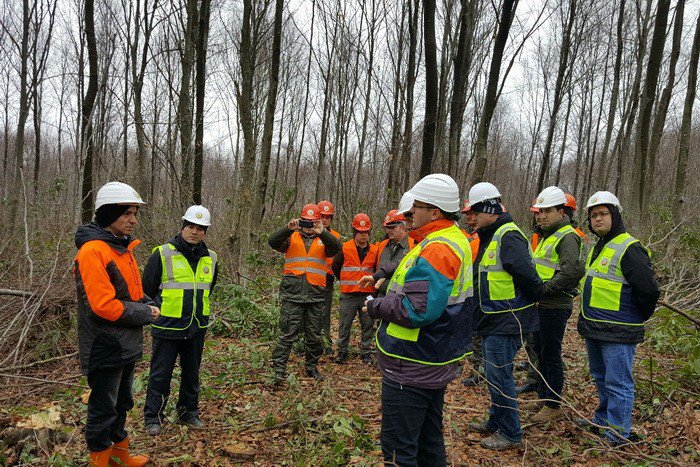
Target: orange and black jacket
x=112 y=308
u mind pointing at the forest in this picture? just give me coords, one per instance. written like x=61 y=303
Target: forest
x=255 y=108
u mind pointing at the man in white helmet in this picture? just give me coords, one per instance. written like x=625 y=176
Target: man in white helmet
x=425 y=327
x=112 y=310
x=506 y=288
x=180 y=275
x=559 y=263
x=618 y=295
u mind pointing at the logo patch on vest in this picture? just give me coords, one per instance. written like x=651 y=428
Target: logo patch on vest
x=604 y=262
x=491 y=254
x=319 y=241
x=205 y=269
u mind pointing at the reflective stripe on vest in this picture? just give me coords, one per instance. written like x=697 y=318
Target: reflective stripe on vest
x=298 y=261
x=502 y=294
x=606 y=295
x=409 y=340
x=176 y=278
x=352 y=270
x=546 y=256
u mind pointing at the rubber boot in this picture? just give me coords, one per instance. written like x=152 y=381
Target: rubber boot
x=100 y=458
x=120 y=451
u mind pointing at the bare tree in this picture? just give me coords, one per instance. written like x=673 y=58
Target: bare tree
x=88 y=143
x=431 y=87
x=200 y=87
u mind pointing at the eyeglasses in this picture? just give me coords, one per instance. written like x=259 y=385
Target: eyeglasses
x=415 y=206
x=600 y=214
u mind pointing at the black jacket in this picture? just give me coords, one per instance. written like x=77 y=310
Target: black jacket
x=517 y=261
x=296 y=288
x=152 y=276
x=558 y=292
x=637 y=270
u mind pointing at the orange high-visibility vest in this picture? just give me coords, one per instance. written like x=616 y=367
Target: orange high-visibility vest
x=329 y=261
x=298 y=261
x=381 y=245
x=352 y=270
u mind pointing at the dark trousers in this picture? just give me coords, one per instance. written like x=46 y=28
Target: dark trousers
x=165 y=354
x=326 y=317
x=296 y=318
x=110 y=399
x=412 y=425
x=548 y=349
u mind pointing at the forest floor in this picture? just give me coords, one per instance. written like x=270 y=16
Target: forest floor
x=337 y=421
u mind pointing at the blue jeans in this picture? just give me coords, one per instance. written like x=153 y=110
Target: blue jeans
x=412 y=425
x=610 y=365
x=499 y=352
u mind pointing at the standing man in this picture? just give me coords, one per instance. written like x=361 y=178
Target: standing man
x=425 y=329
x=619 y=294
x=390 y=251
x=327 y=213
x=476 y=357
x=357 y=259
x=507 y=287
x=307 y=247
x=180 y=275
x=559 y=264
x=112 y=310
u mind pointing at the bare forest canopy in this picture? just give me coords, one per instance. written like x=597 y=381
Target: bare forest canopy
x=254 y=108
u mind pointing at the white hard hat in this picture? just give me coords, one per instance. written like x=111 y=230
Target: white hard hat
x=481 y=192
x=439 y=190
x=117 y=193
x=550 y=196
x=406 y=203
x=198 y=214
x=603 y=197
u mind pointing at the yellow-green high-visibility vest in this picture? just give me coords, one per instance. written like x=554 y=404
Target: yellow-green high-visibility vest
x=177 y=278
x=546 y=256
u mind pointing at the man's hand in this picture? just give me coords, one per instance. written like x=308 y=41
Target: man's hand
x=379 y=283
x=364 y=307
x=155 y=312
x=294 y=224
x=366 y=281
x=318 y=227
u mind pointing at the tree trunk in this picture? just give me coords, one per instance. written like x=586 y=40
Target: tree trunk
x=87 y=143
x=491 y=98
x=184 y=107
x=200 y=87
x=413 y=14
x=270 y=108
x=679 y=188
x=431 y=87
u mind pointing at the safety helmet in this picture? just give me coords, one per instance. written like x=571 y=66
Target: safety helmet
x=198 y=214
x=570 y=201
x=438 y=190
x=550 y=197
x=311 y=212
x=482 y=191
x=327 y=208
x=393 y=217
x=466 y=208
x=603 y=197
x=117 y=193
x=361 y=222
x=406 y=203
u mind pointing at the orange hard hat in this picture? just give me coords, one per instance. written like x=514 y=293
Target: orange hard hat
x=361 y=222
x=466 y=207
x=570 y=201
x=393 y=217
x=327 y=208
x=311 y=212
x=532 y=208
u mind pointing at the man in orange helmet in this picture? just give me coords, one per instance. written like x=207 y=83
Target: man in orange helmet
x=327 y=213
x=357 y=259
x=569 y=209
x=307 y=247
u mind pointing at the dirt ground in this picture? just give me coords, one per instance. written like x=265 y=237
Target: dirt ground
x=334 y=422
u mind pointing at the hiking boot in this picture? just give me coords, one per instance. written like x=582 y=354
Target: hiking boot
x=473 y=380
x=481 y=427
x=529 y=386
x=531 y=406
x=498 y=442
x=154 y=429
x=192 y=422
x=341 y=358
x=547 y=414
x=314 y=374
